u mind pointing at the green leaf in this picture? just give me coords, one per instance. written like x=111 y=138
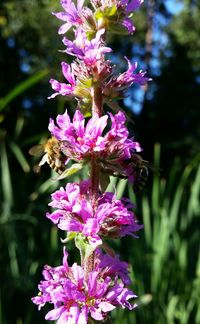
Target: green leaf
x=22 y=87
x=19 y=126
x=90 y=35
x=146 y=208
x=70 y=236
x=172 y=307
x=104 y=181
x=144 y=300
x=83 y=245
x=118 y=29
x=86 y=82
x=113 y=183
x=109 y=12
x=20 y=157
x=99 y=14
x=6 y=177
x=121 y=186
x=68 y=172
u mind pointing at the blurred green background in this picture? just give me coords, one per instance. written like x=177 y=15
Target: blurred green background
x=164 y=118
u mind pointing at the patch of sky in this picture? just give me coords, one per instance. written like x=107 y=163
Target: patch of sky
x=168 y=53
x=134 y=100
x=11 y=42
x=160 y=20
x=137 y=49
x=22 y=52
x=24 y=67
x=135 y=103
x=151 y=91
x=138 y=52
x=174 y=7
x=155 y=67
x=27 y=103
x=160 y=44
x=160 y=38
x=114 y=58
x=40 y=101
x=197 y=79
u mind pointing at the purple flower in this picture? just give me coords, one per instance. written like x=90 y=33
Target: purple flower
x=89 y=51
x=71 y=15
x=74 y=212
x=130 y=76
x=128 y=24
x=63 y=88
x=132 y=5
x=115 y=12
x=111 y=265
x=84 y=17
x=75 y=294
x=116 y=86
x=80 y=142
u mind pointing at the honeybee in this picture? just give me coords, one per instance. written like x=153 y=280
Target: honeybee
x=140 y=178
x=52 y=155
x=140 y=172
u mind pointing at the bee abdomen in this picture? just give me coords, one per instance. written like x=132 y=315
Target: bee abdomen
x=56 y=165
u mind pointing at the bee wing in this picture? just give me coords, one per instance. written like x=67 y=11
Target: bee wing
x=37 y=150
x=152 y=167
x=36 y=168
x=44 y=159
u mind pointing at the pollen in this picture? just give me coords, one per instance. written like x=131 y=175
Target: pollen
x=90 y=301
x=80 y=140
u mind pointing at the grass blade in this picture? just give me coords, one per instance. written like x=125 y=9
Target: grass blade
x=22 y=87
x=6 y=177
x=20 y=157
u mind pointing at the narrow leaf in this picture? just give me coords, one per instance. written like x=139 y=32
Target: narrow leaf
x=68 y=172
x=20 y=157
x=22 y=87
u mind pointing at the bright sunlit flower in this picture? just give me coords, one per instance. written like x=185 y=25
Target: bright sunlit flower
x=74 y=212
x=71 y=15
x=76 y=297
x=81 y=141
x=63 y=88
x=90 y=51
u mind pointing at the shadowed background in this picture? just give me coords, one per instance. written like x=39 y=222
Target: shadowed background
x=164 y=117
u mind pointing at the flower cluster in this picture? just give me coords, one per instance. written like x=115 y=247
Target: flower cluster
x=91 y=66
x=75 y=297
x=74 y=213
x=79 y=142
x=81 y=78
x=113 y=15
x=101 y=140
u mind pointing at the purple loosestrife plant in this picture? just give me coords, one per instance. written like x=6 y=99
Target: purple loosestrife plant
x=84 y=211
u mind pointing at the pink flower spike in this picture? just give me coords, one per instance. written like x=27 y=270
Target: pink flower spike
x=75 y=296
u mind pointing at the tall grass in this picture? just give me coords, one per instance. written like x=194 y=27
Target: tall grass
x=166 y=260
